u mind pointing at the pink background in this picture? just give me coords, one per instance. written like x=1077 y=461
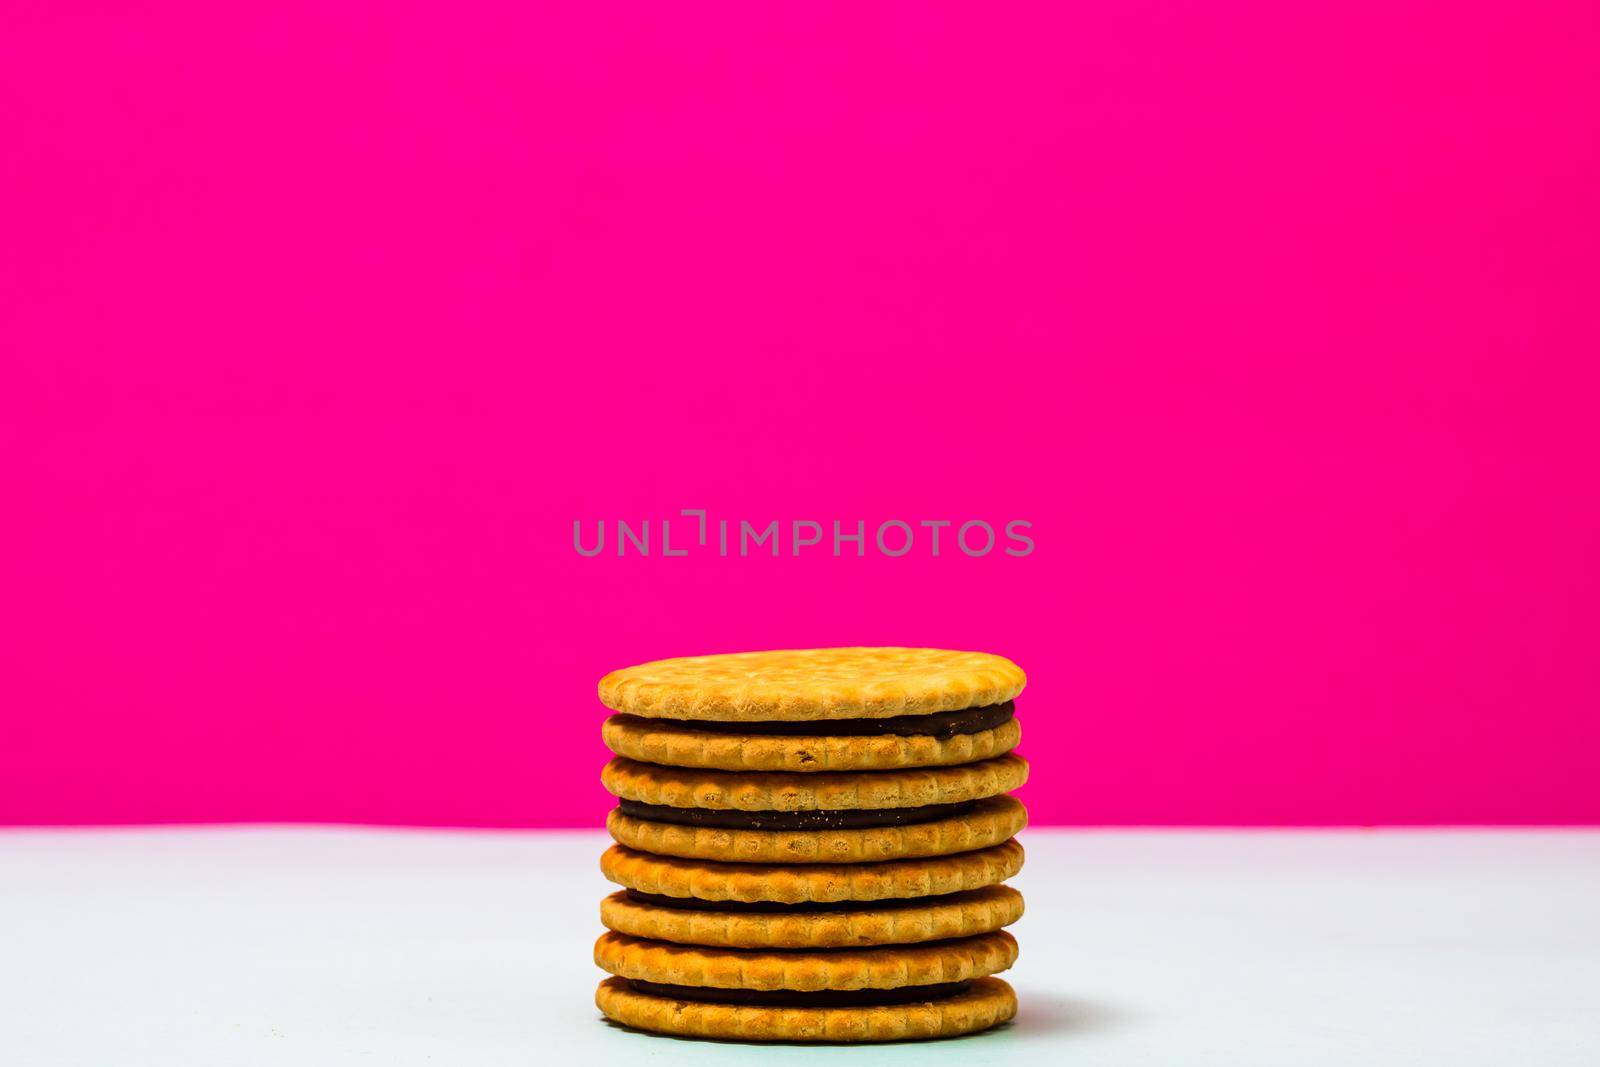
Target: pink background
x=321 y=326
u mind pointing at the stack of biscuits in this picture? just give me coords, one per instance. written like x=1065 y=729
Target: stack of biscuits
x=811 y=844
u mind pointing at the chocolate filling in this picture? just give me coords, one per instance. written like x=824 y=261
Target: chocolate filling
x=939 y=724
x=776 y=907
x=844 y=819
x=790 y=998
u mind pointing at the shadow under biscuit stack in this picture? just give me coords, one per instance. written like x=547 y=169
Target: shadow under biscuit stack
x=811 y=844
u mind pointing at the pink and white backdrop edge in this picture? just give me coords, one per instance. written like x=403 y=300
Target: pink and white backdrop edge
x=322 y=323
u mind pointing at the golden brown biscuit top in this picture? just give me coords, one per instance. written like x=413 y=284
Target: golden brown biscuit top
x=813 y=683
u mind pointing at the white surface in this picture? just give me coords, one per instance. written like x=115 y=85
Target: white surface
x=334 y=946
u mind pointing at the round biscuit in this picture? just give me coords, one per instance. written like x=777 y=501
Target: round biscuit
x=680 y=787
x=987 y=1002
x=978 y=911
x=813 y=683
x=801 y=883
x=679 y=744
x=880 y=967
x=991 y=821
